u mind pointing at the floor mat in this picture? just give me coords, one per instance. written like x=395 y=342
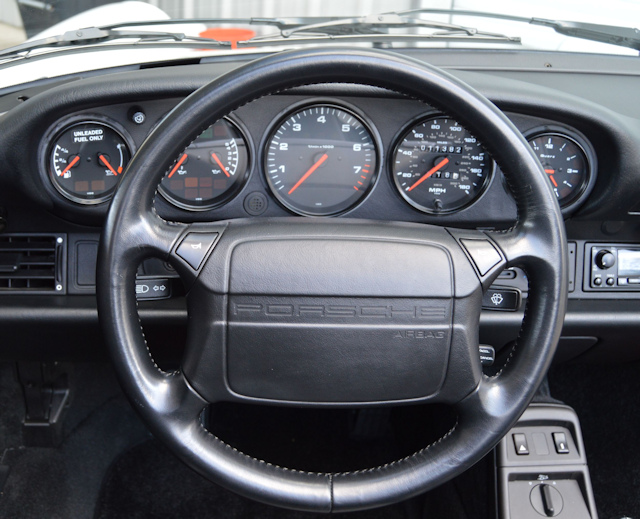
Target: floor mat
x=149 y=482
x=64 y=482
x=607 y=400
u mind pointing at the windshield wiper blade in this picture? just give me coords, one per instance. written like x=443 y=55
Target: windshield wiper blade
x=93 y=35
x=354 y=28
x=612 y=34
x=375 y=24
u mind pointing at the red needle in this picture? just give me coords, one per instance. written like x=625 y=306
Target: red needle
x=308 y=173
x=106 y=163
x=224 y=170
x=178 y=164
x=424 y=177
x=71 y=164
x=553 y=180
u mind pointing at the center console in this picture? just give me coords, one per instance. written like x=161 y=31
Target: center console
x=542 y=467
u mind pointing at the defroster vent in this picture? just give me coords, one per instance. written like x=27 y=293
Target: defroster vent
x=32 y=263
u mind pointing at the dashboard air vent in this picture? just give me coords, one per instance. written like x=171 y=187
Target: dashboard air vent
x=32 y=263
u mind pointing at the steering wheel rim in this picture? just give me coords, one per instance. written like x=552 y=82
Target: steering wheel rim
x=171 y=406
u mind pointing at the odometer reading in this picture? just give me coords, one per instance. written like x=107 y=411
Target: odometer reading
x=439 y=167
x=320 y=160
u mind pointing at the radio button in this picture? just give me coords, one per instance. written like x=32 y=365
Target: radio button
x=597 y=282
x=605 y=259
x=634 y=281
x=622 y=281
x=611 y=282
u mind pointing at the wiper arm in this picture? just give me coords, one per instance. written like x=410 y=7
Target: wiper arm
x=92 y=35
x=612 y=34
x=379 y=24
x=318 y=29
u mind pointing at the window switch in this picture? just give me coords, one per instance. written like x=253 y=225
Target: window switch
x=560 y=441
x=520 y=443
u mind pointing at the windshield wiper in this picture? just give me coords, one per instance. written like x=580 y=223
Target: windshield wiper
x=93 y=35
x=612 y=34
x=372 y=28
x=376 y=27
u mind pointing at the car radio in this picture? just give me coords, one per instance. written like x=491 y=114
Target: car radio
x=615 y=267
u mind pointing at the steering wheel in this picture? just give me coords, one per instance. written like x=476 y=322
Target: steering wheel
x=329 y=312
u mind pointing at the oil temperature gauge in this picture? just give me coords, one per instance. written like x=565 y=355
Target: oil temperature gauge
x=86 y=160
x=210 y=171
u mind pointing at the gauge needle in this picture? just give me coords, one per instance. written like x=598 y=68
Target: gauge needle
x=224 y=170
x=178 y=164
x=70 y=165
x=309 y=171
x=550 y=172
x=424 y=177
x=106 y=163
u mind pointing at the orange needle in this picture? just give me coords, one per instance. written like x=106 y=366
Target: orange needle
x=106 y=163
x=424 y=177
x=308 y=173
x=224 y=170
x=550 y=171
x=178 y=164
x=553 y=180
x=71 y=164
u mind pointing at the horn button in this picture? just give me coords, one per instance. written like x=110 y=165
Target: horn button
x=331 y=320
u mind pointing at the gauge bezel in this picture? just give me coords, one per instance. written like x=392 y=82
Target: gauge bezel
x=57 y=129
x=283 y=115
x=231 y=193
x=397 y=140
x=585 y=145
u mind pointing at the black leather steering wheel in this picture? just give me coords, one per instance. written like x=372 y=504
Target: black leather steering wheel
x=263 y=329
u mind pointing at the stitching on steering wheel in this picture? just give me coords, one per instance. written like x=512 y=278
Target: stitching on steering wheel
x=332 y=474
x=395 y=462
x=515 y=344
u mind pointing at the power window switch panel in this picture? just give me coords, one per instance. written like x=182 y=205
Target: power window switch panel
x=560 y=441
x=520 y=443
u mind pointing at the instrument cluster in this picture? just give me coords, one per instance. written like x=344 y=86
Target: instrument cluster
x=316 y=158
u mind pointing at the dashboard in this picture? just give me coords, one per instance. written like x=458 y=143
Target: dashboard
x=321 y=151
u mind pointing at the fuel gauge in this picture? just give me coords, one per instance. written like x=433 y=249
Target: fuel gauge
x=86 y=160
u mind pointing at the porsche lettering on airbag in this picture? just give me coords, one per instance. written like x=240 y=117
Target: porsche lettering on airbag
x=319 y=311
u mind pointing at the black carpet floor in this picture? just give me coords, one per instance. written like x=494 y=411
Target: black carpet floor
x=149 y=482
x=607 y=400
x=109 y=467
x=64 y=482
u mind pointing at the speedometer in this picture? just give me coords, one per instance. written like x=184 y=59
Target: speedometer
x=439 y=167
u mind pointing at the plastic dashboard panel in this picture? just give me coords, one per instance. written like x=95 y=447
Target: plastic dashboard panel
x=532 y=97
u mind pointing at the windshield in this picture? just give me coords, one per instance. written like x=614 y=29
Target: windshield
x=21 y=20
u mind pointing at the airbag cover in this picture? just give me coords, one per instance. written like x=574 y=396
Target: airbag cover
x=354 y=335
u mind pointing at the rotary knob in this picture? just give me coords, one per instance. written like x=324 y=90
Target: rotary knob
x=605 y=259
x=546 y=500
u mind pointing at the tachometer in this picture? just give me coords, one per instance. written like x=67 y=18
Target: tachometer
x=321 y=160
x=210 y=171
x=86 y=160
x=439 y=167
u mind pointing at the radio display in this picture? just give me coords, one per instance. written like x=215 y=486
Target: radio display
x=628 y=262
